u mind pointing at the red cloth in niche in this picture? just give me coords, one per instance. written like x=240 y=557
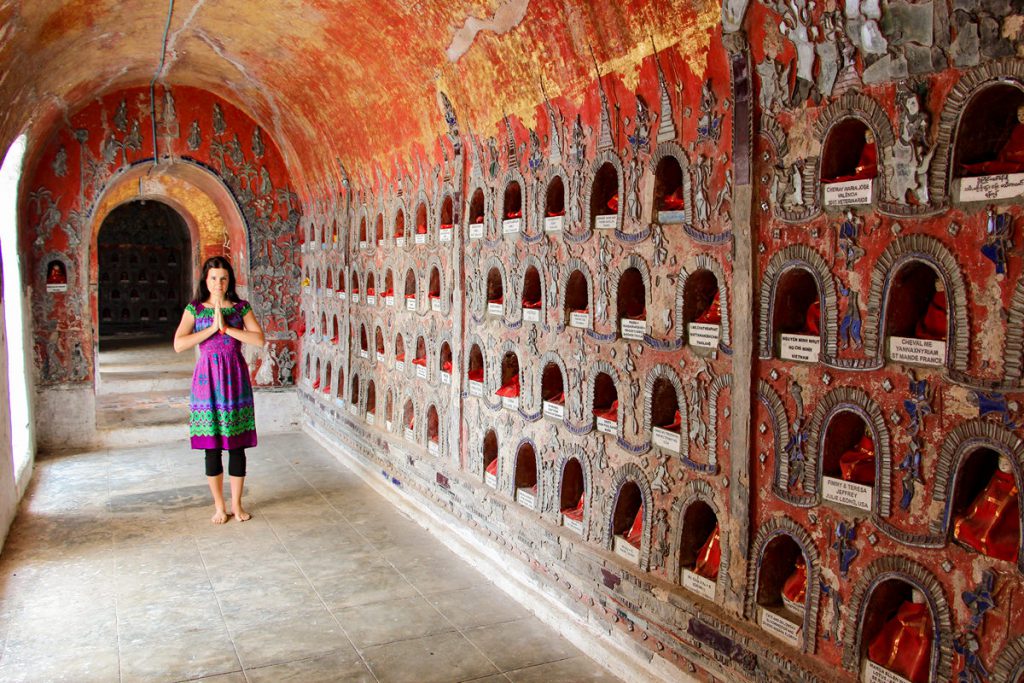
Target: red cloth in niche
x=492 y=467
x=531 y=304
x=335 y=338
x=812 y=321
x=903 y=644
x=316 y=383
x=575 y=512
x=400 y=356
x=388 y=292
x=514 y=214
x=1010 y=158
x=499 y=300
x=370 y=291
x=933 y=324
x=709 y=556
x=712 y=315
x=991 y=525
x=636 y=530
x=867 y=166
x=510 y=389
x=446 y=226
x=476 y=375
x=676 y=422
x=609 y=413
x=613 y=203
x=858 y=463
x=558 y=398
x=421 y=229
x=420 y=360
x=795 y=587
x=559 y=212
x=432 y=295
x=410 y=296
x=673 y=201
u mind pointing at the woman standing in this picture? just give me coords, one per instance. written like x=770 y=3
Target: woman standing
x=221 y=402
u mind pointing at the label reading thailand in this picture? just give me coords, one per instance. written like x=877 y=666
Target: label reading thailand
x=491 y=480
x=606 y=426
x=607 y=221
x=421 y=372
x=800 y=347
x=380 y=357
x=553 y=223
x=703 y=336
x=435 y=304
x=421 y=238
x=578 y=319
x=917 y=351
x=433 y=448
x=400 y=241
x=446 y=378
x=666 y=439
x=476 y=231
x=511 y=225
x=495 y=309
x=510 y=402
x=526 y=498
x=989 y=187
x=555 y=411
x=626 y=549
x=634 y=329
x=531 y=315
x=371 y=418
x=410 y=435
x=371 y=299
x=476 y=389
x=363 y=353
x=389 y=301
x=849 y=193
x=400 y=365
x=846 y=493
x=780 y=627
x=574 y=524
x=875 y=673
x=701 y=585
x=446 y=235
x=410 y=304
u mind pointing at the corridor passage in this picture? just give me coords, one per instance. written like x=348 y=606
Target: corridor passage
x=113 y=572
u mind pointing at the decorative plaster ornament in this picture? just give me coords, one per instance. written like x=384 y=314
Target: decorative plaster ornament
x=60 y=163
x=640 y=138
x=774 y=85
x=998 y=238
x=849 y=233
x=850 y=325
x=796 y=25
x=258 y=148
x=121 y=117
x=709 y=124
x=701 y=179
x=843 y=545
x=220 y=126
x=195 y=138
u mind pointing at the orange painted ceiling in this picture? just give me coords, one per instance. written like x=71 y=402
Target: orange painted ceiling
x=330 y=80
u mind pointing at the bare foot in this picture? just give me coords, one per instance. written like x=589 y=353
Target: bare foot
x=219 y=517
x=241 y=515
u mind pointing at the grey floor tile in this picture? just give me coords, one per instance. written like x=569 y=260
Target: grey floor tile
x=440 y=658
x=287 y=639
x=520 y=644
x=573 y=670
x=373 y=584
x=337 y=666
x=480 y=605
x=392 y=620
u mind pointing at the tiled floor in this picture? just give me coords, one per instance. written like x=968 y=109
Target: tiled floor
x=113 y=572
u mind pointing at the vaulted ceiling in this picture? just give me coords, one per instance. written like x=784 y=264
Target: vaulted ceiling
x=331 y=80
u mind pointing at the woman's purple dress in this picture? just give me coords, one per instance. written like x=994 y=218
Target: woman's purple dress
x=221 y=403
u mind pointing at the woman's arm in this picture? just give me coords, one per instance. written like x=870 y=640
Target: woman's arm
x=252 y=334
x=185 y=338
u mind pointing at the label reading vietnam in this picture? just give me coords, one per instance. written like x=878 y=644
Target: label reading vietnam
x=556 y=411
x=446 y=235
x=510 y=402
x=846 y=493
x=476 y=389
x=800 y=347
x=531 y=315
x=917 y=351
x=446 y=378
x=510 y=226
x=476 y=231
x=579 y=319
x=553 y=223
x=606 y=426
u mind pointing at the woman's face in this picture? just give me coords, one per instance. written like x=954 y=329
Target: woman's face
x=217 y=282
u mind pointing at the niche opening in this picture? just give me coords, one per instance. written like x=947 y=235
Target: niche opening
x=354 y=394
x=380 y=230
x=666 y=420
x=552 y=391
x=421 y=223
x=433 y=443
x=532 y=295
x=512 y=208
x=389 y=288
x=490 y=454
x=628 y=522
x=849 y=153
x=796 y=318
x=702 y=309
x=509 y=390
x=896 y=632
x=631 y=303
x=420 y=360
x=782 y=589
x=399 y=228
x=434 y=290
x=990 y=135
x=554 y=205
x=668 y=191
x=577 y=301
x=362 y=233
x=379 y=344
x=495 y=293
x=445 y=363
x=571 y=496
x=700 y=550
x=606 y=404
x=475 y=371
x=986 y=506
x=917 y=310
x=371 y=402
x=371 y=289
x=327 y=379
x=409 y=420
x=399 y=352
x=410 y=290
x=526 y=476
x=604 y=198
x=848 y=461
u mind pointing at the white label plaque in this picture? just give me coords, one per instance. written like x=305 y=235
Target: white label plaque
x=846 y=493
x=701 y=585
x=634 y=329
x=363 y=353
x=305 y=290
x=435 y=304
x=574 y=524
x=400 y=365
x=421 y=372
x=553 y=223
x=511 y=225
x=626 y=549
x=354 y=408
x=607 y=221
x=491 y=480
x=703 y=336
x=875 y=673
x=421 y=238
x=446 y=235
x=476 y=389
x=355 y=297
x=670 y=217
x=780 y=627
x=606 y=426
x=362 y=244
x=555 y=411
x=526 y=498
x=531 y=315
x=578 y=319
x=389 y=301
x=371 y=299
x=433 y=448
x=446 y=377
x=510 y=402
x=476 y=231
x=388 y=424
x=400 y=241
x=989 y=187
x=410 y=435
x=849 y=193
x=342 y=295
x=371 y=418
x=380 y=357
x=663 y=438
x=410 y=304
x=917 y=351
x=495 y=309
x=380 y=243
x=801 y=347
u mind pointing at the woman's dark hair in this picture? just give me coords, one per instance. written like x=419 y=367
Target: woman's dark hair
x=203 y=292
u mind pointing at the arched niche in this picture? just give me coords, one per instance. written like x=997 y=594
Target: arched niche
x=577 y=301
x=572 y=495
x=669 y=190
x=307 y=374
x=512 y=207
x=327 y=379
x=330 y=280
x=362 y=234
x=605 y=205
x=989 y=137
x=398 y=228
x=797 y=316
x=410 y=290
x=917 y=322
x=379 y=230
x=364 y=344
x=379 y=344
x=984 y=509
x=340 y=384
x=420 y=359
x=389 y=409
x=422 y=226
x=666 y=411
x=489 y=448
x=444 y=362
x=317 y=284
x=629 y=522
x=702 y=309
x=389 y=288
x=323 y=325
x=447 y=219
x=525 y=476
x=341 y=284
x=476 y=213
x=605 y=404
x=897 y=631
x=334 y=233
x=371 y=288
x=495 y=292
x=509 y=389
x=552 y=391
x=700 y=549
x=409 y=420
x=371 y=401
x=433 y=431
x=434 y=289
x=784 y=590
x=554 y=204
x=353 y=395
x=849 y=459
x=336 y=336
x=354 y=286
x=399 y=352
x=475 y=371
x=850 y=152
x=631 y=304
x=533 y=295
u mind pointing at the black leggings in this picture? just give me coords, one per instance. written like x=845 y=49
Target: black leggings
x=236 y=462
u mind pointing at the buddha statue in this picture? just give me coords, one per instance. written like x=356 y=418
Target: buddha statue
x=794 y=589
x=867 y=164
x=709 y=557
x=858 y=463
x=991 y=524
x=1009 y=158
x=933 y=323
x=903 y=644
x=712 y=315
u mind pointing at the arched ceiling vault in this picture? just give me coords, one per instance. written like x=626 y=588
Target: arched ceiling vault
x=330 y=80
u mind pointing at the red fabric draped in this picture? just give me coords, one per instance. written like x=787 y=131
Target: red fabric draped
x=991 y=525
x=709 y=556
x=903 y=645
x=858 y=463
x=712 y=315
x=933 y=324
